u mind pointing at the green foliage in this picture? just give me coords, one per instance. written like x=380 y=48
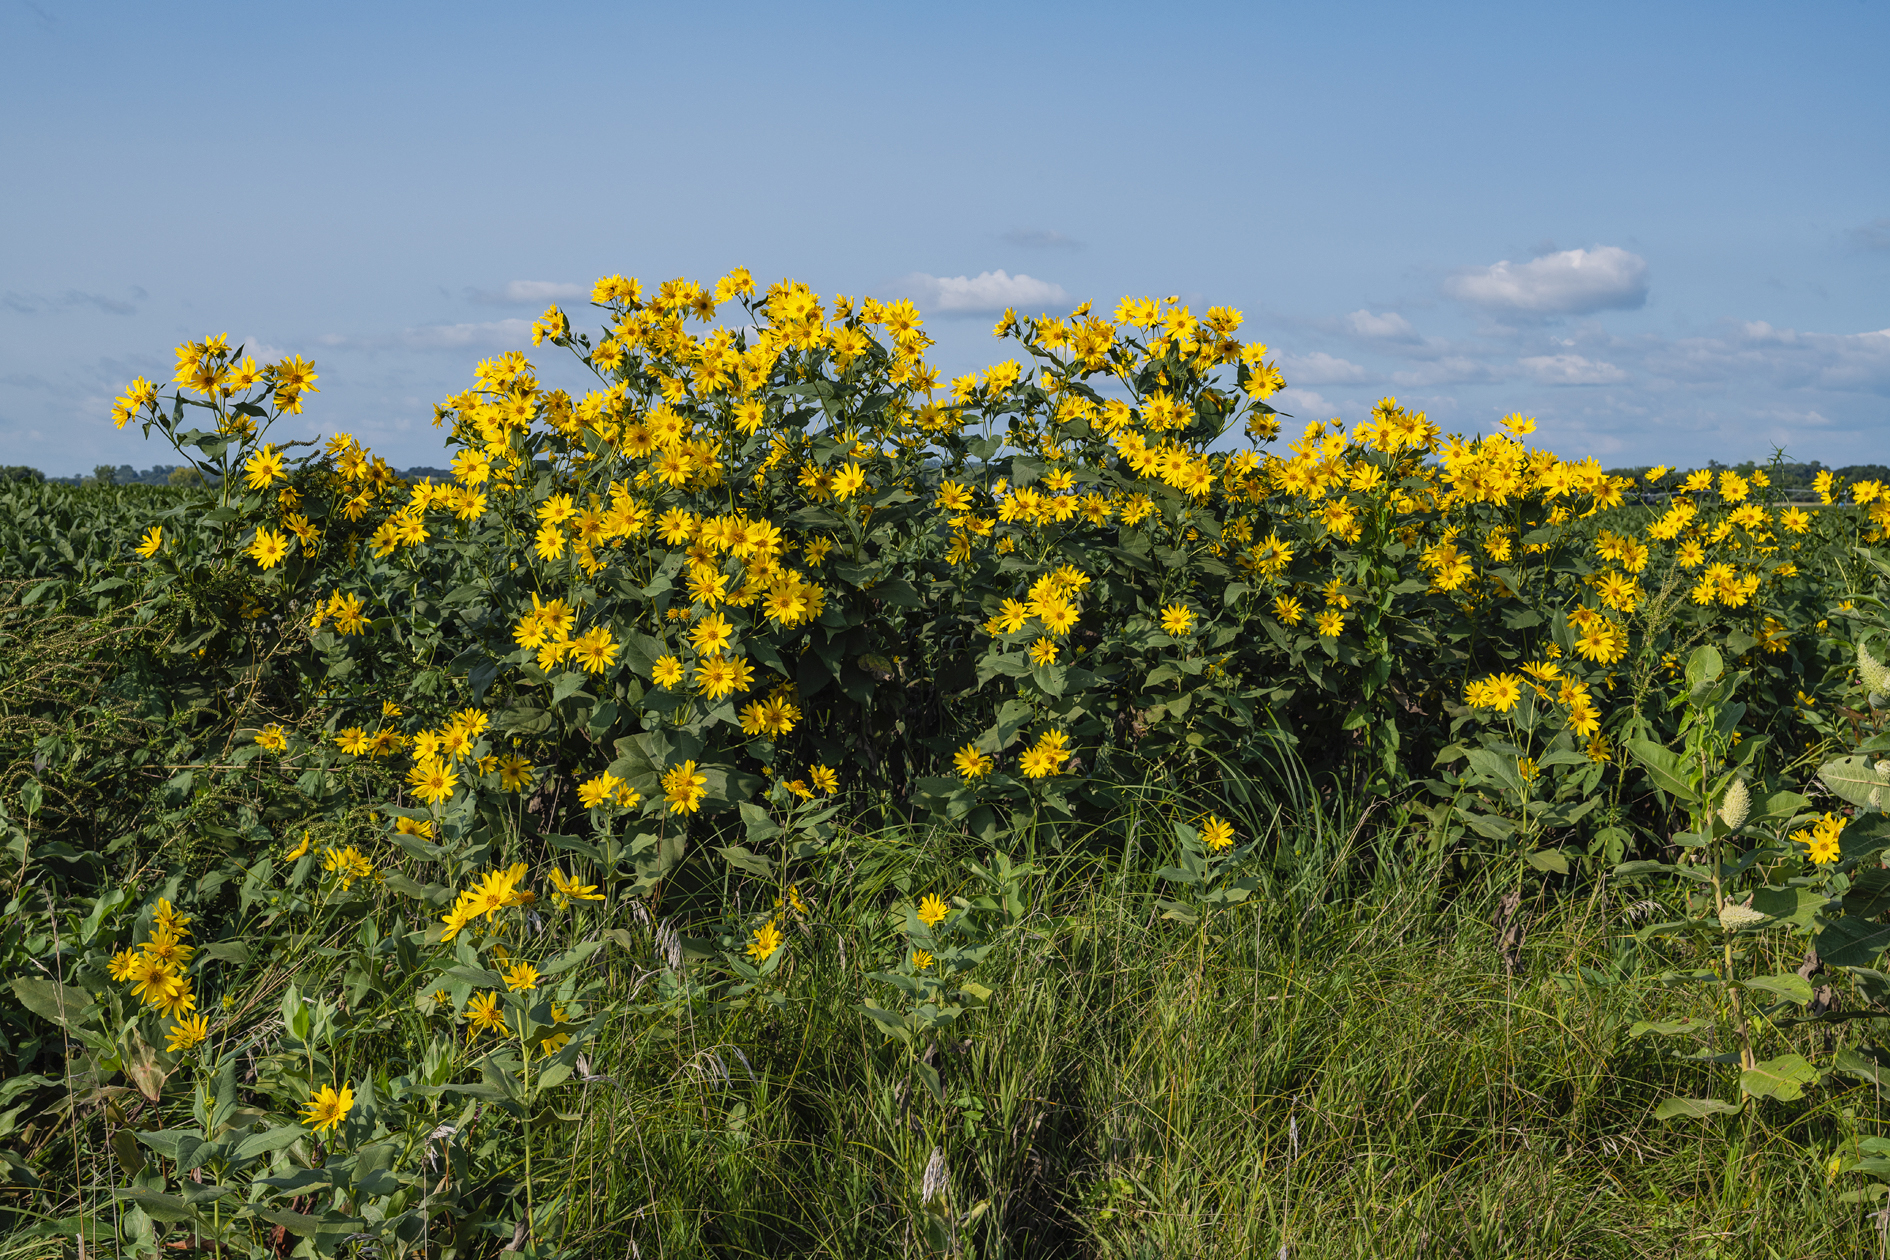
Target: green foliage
x=809 y=779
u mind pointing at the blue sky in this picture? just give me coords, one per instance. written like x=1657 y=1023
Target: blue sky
x=1662 y=230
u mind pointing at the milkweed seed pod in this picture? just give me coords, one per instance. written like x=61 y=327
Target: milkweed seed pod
x=1732 y=918
x=1735 y=805
x=1875 y=676
x=1883 y=769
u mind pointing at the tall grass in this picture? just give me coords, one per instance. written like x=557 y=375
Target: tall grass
x=1341 y=1067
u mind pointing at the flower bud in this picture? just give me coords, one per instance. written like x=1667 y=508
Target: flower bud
x=1875 y=676
x=1883 y=769
x=1735 y=805
x=1732 y=918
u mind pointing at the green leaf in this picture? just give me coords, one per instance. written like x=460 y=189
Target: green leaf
x=268 y=1141
x=1783 y=1078
x=1852 y=942
x=60 y=1003
x=1792 y=988
x=744 y=859
x=1694 y=1108
x=1548 y=860
x=1703 y=666
x=1670 y=1027
x=1852 y=778
x=1664 y=768
x=1797 y=906
x=159 y=1207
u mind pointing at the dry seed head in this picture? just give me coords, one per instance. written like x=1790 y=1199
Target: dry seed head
x=1875 y=676
x=1732 y=918
x=937 y=1181
x=1735 y=805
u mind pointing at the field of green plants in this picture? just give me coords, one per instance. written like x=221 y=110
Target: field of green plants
x=783 y=802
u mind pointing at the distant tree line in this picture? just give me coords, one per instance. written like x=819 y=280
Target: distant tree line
x=161 y=475
x=1784 y=476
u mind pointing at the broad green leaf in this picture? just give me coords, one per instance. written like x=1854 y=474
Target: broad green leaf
x=1670 y=1027
x=1783 y=1078
x=1553 y=860
x=1694 y=1108
x=744 y=859
x=1664 y=768
x=1853 y=779
x=1797 y=906
x=61 y=1003
x=159 y=1207
x=269 y=1140
x=1852 y=942
x=1785 y=985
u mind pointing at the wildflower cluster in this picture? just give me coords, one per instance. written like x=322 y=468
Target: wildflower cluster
x=154 y=971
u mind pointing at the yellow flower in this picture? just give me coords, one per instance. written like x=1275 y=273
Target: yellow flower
x=520 y=976
x=921 y=960
x=172 y=996
x=766 y=940
x=970 y=763
x=1043 y=652
x=594 y=792
x=268 y=548
x=122 y=964
x=300 y=850
x=326 y=1109
x=718 y=676
x=848 y=481
x=566 y=890
x=349 y=863
x=483 y=1013
x=1330 y=623
x=1288 y=610
x=824 y=780
x=413 y=827
x=1821 y=842
x=432 y=780
x=1217 y=834
x=454 y=921
x=933 y=910
x=153 y=539
x=1177 y=620
x=273 y=737
x=263 y=467
x=1046 y=756
x=186 y=1033
x=515 y=773
x=683 y=788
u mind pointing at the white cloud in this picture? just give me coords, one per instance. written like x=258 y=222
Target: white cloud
x=1872 y=235
x=1303 y=404
x=1571 y=369
x=1320 y=368
x=497 y=334
x=1781 y=357
x=1447 y=369
x=985 y=293
x=1571 y=282
x=1041 y=238
x=40 y=304
x=1389 y=325
x=520 y=292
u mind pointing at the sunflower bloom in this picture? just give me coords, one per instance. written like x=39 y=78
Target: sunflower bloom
x=326 y=1109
